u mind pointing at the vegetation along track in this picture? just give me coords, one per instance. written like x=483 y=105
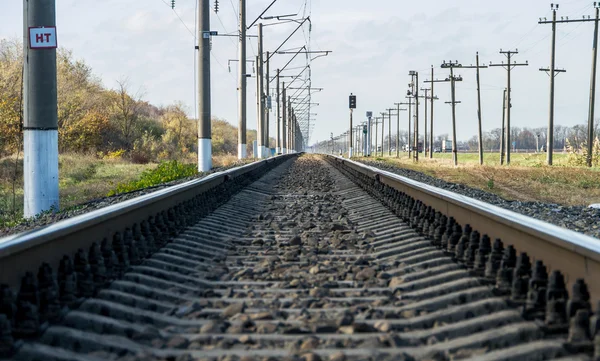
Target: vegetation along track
x=318 y=259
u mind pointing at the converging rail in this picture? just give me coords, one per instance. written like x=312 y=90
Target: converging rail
x=25 y=252
x=575 y=254
x=303 y=259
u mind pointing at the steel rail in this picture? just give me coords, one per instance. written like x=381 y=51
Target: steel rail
x=575 y=254
x=26 y=251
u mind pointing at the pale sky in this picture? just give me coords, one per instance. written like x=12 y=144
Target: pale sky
x=374 y=44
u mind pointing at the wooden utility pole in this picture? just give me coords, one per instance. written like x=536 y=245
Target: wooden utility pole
x=390 y=131
x=508 y=68
x=398 y=110
x=480 y=136
x=502 y=130
x=551 y=72
x=414 y=91
x=432 y=98
x=590 y=141
x=453 y=79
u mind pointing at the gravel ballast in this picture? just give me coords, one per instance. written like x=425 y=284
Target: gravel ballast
x=577 y=218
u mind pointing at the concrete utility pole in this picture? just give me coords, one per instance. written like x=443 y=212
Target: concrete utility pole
x=376 y=132
x=398 y=110
x=351 y=106
x=502 y=151
x=382 y=131
x=40 y=111
x=260 y=76
x=590 y=141
x=204 y=126
x=390 y=131
x=278 y=119
x=480 y=132
x=242 y=82
x=508 y=68
x=453 y=79
x=409 y=120
x=368 y=136
x=259 y=113
x=284 y=120
x=267 y=108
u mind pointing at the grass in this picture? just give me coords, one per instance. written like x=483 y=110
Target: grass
x=81 y=178
x=527 y=178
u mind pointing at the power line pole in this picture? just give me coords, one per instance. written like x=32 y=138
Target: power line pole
x=267 y=107
x=257 y=151
x=415 y=93
x=242 y=82
x=433 y=97
x=592 y=89
x=425 y=90
x=278 y=119
x=398 y=110
x=453 y=79
x=376 y=132
x=509 y=66
x=390 y=131
x=284 y=120
x=480 y=132
x=382 y=131
x=409 y=120
x=260 y=135
x=204 y=126
x=40 y=111
x=352 y=106
x=551 y=72
x=502 y=134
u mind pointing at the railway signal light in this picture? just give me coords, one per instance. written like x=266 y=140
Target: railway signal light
x=352 y=101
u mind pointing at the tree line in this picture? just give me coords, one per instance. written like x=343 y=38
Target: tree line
x=95 y=119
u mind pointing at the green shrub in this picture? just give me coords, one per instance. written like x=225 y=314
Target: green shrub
x=81 y=174
x=165 y=172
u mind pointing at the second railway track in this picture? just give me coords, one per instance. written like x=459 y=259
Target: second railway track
x=313 y=261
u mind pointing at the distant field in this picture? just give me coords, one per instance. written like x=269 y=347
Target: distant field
x=526 y=179
x=516 y=159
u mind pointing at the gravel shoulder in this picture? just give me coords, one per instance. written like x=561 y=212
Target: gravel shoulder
x=88 y=206
x=576 y=218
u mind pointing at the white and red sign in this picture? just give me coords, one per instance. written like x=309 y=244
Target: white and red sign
x=42 y=37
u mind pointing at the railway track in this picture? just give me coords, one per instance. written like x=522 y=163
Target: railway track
x=318 y=258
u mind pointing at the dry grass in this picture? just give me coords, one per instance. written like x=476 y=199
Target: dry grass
x=81 y=178
x=526 y=179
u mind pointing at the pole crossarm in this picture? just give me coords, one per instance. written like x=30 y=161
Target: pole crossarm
x=547 y=70
x=288 y=38
x=509 y=66
x=261 y=14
